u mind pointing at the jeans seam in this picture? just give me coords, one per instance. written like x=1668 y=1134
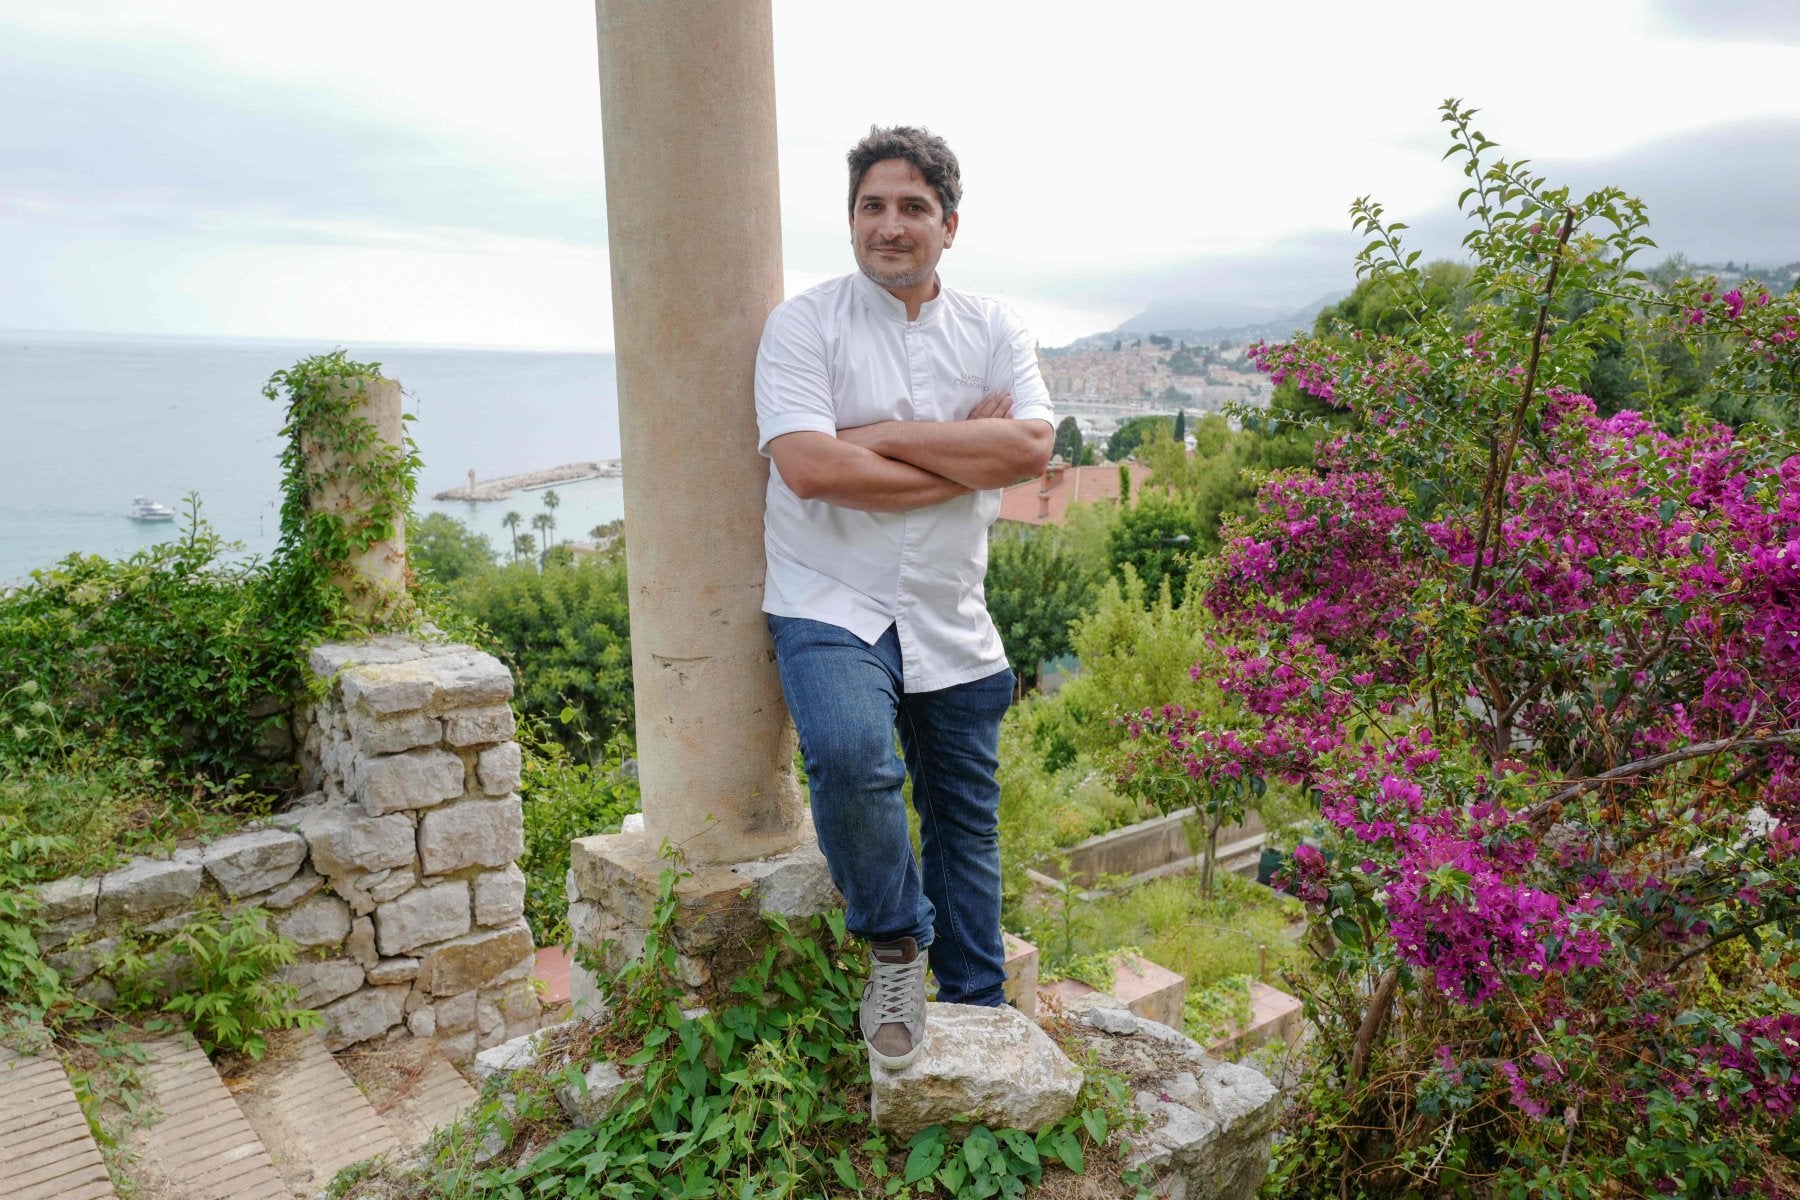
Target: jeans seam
x=920 y=786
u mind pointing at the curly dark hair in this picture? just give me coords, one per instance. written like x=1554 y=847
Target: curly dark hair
x=920 y=147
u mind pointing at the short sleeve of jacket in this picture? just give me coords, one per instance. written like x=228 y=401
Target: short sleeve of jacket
x=793 y=379
x=1015 y=368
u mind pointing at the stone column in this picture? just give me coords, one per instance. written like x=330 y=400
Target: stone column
x=693 y=211
x=373 y=580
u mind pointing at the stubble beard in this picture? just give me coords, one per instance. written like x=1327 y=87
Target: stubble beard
x=899 y=280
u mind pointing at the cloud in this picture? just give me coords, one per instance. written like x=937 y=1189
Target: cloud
x=1737 y=21
x=167 y=143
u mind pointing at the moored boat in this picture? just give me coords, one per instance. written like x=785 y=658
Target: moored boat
x=149 y=510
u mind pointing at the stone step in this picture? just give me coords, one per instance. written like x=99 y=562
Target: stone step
x=413 y=1087
x=46 y=1149
x=311 y=1116
x=200 y=1147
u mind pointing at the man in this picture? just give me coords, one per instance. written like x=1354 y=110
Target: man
x=893 y=410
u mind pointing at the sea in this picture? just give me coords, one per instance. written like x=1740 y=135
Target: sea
x=89 y=422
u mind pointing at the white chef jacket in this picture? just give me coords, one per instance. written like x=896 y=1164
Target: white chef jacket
x=843 y=354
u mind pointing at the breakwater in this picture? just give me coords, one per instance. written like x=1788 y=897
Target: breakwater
x=504 y=486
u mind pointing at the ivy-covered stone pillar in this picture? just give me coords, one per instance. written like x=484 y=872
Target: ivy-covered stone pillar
x=351 y=437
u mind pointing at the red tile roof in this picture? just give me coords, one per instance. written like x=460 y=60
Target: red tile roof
x=1046 y=500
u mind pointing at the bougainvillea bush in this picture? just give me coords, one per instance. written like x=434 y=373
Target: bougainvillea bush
x=1541 y=670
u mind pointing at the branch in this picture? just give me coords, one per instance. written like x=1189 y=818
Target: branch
x=1494 y=494
x=1373 y=1019
x=1655 y=763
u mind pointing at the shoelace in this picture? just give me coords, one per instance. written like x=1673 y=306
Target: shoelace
x=895 y=992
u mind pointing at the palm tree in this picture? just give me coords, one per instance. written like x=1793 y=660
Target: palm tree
x=524 y=544
x=551 y=500
x=511 y=521
x=544 y=523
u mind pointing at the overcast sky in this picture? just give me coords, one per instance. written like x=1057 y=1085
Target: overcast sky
x=392 y=170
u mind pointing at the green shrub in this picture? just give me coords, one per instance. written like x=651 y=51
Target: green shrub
x=565 y=797
x=218 y=972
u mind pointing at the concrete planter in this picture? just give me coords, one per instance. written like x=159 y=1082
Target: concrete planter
x=1156 y=846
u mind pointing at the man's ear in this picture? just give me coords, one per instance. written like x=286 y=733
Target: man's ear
x=950 y=223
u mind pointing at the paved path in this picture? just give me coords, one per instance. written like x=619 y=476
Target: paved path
x=46 y=1151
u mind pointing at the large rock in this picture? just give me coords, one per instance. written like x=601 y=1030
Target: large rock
x=391 y=783
x=149 y=886
x=479 y=726
x=500 y=896
x=363 y=1015
x=320 y=983
x=393 y=735
x=485 y=959
x=1209 y=1123
x=66 y=907
x=475 y=833
x=246 y=863
x=590 y=1099
x=389 y=689
x=346 y=841
x=988 y=1066
x=470 y=679
x=497 y=769
x=423 y=916
x=320 y=921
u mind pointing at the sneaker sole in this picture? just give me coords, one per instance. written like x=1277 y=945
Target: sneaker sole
x=895 y=1062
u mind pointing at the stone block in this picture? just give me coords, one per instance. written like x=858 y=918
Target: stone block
x=66 y=907
x=78 y=964
x=1274 y=1015
x=1209 y=1124
x=394 y=970
x=497 y=769
x=480 y=726
x=344 y=840
x=590 y=1099
x=490 y=1026
x=520 y=1054
x=422 y=1023
x=360 y=945
x=1148 y=990
x=499 y=896
x=423 y=916
x=991 y=1066
x=246 y=863
x=483 y=959
x=294 y=890
x=388 y=689
x=474 y=833
x=391 y=783
x=471 y=678
x=320 y=983
x=320 y=921
x=371 y=734
x=517 y=1001
x=457 y=1047
x=1021 y=974
x=328 y=658
x=363 y=1015
x=69 y=901
x=456 y=1013
x=633 y=823
x=388 y=885
x=148 y=885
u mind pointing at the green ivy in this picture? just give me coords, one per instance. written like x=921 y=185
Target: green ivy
x=762 y=1094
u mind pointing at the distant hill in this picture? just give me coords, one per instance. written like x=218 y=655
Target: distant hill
x=1210 y=321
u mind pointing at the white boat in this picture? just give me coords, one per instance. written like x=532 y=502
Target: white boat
x=149 y=510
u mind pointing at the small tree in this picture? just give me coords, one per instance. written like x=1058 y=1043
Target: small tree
x=511 y=520
x=1068 y=441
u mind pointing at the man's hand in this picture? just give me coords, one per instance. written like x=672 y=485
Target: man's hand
x=997 y=405
x=987 y=450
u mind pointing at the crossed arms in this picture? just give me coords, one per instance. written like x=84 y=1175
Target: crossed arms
x=897 y=466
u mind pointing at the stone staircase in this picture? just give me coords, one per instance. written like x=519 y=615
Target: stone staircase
x=272 y=1130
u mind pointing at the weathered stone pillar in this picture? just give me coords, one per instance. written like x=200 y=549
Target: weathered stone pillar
x=374 y=579
x=688 y=102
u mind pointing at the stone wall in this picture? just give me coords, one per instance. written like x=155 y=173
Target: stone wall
x=395 y=872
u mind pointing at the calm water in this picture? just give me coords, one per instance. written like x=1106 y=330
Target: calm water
x=87 y=423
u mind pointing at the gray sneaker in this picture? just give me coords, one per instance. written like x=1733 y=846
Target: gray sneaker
x=892 y=1016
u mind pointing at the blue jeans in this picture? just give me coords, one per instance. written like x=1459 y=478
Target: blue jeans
x=847 y=701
